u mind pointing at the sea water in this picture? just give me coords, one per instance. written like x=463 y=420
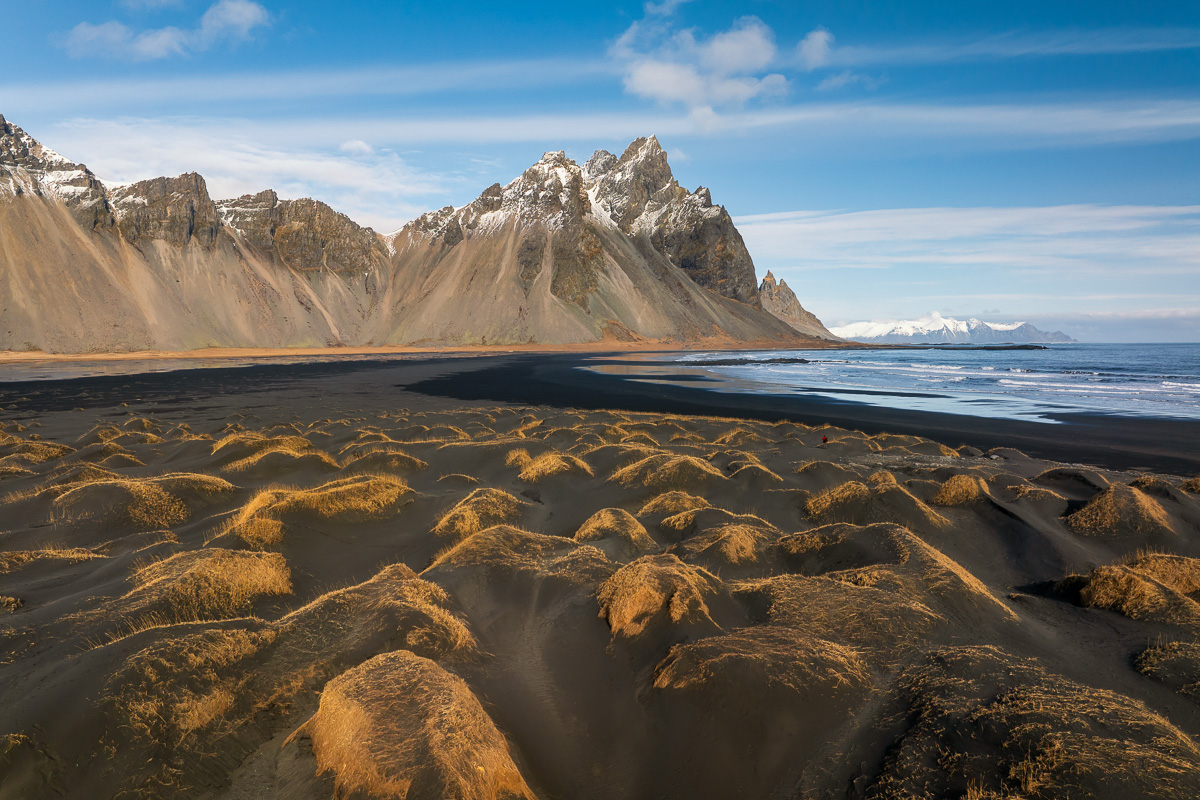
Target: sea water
x=1158 y=380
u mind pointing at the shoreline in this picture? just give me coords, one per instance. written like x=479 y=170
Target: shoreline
x=552 y=379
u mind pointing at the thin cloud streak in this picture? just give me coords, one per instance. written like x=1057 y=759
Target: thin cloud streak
x=819 y=49
x=986 y=127
x=397 y=81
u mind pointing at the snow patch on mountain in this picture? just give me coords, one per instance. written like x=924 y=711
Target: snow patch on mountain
x=934 y=328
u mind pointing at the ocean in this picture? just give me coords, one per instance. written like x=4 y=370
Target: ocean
x=1139 y=380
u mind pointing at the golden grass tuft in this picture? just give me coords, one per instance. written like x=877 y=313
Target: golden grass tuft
x=745 y=662
x=1191 y=486
x=548 y=465
x=975 y=716
x=862 y=505
x=657 y=591
x=401 y=726
x=619 y=530
x=1121 y=511
x=1176 y=664
x=961 y=490
x=1148 y=586
x=207 y=584
x=479 y=510
x=148 y=503
x=15 y=559
x=665 y=472
x=733 y=544
x=357 y=498
x=669 y=504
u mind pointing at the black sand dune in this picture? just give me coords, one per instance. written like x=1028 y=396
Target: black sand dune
x=307 y=582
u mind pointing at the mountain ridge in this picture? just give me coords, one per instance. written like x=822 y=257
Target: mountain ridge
x=935 y=328
x=613 y=250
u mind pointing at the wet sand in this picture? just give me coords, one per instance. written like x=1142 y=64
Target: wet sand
x=505 y=576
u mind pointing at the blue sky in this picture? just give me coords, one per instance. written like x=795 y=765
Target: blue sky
x=1019 y=160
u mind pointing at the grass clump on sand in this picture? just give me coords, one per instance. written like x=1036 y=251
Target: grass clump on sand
x=1148 y=586
x=1121 y=511
x=617 y=532
x=159 y=502
x=400 y=726
x=1191 y=486
x=657 y=591
x=974 y=719
x=862 y=505
x=15 y=559
x=547 y=465
x=174 y=689
x=358 y=498
x=961 y=490
x=479 y=510
x=668 y=504
x=665 y=472
x=1177 y=664
x=205 y=584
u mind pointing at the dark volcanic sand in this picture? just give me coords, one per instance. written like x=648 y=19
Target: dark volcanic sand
x=1114 y=442
x=442 y=578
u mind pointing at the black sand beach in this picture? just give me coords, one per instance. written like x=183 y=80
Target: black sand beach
x=554 y=379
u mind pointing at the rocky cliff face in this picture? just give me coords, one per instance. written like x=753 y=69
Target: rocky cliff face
x=306 y=234
x=175 y=210
x=614 y=250
x=640 y=194
x=780 y=300
x=28 y=167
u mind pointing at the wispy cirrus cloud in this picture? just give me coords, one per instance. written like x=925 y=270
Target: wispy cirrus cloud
x=1049 y=262
x=224 y=21
x=819 y=48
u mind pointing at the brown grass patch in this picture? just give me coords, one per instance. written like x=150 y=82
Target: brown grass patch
x=665 y=472
x=401 y=726
x=354 y=499
x=1177 y=664
x=15 y=559
x=857 y=503
x=1149 y=586
x=148 y=503
x=657 y=591
x=1191 y=486
x=548 y=465
x=961 y=490
x=479 y=510
x=672 y=503
x=1121 y=511
x=207 y=584
x=974 y=717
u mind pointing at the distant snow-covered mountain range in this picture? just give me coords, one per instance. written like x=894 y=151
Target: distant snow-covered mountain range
x=936 y=329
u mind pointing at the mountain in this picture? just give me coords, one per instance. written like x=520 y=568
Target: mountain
x=937 y=329
x=780 y=300
x=615 y=250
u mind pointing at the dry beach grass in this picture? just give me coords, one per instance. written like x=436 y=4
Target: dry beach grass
x=499 y=602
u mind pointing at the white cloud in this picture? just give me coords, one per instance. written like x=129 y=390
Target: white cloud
x=1052 y=260
x=225 y=20
x=817 y=49
x=813 y=50
x=664 y=9
x=139 y=5
x=675 y=67
x=356 y=147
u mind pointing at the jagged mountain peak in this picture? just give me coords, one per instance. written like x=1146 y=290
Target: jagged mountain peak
x=29 y=167
x=779 y=299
